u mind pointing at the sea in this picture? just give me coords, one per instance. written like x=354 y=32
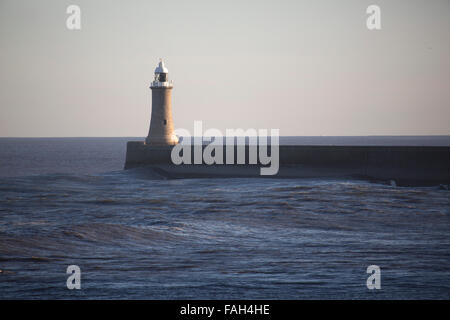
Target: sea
x=135 y=234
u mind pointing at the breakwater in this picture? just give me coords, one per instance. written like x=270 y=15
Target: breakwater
x=406 y=165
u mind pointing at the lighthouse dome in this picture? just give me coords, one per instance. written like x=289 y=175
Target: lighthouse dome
x=161 y=68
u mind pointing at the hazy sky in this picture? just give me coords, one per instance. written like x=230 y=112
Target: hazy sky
x=305 y=67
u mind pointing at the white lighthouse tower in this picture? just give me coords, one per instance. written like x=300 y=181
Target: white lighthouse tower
x=161 y=124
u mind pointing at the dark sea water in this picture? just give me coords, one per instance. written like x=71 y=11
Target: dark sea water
x=137 y=235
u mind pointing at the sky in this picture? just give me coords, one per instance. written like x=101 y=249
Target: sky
x=308 y=68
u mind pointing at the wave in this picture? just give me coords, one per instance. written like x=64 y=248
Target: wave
x=105 y=232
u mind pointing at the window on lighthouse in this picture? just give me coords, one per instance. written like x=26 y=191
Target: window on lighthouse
x=162 y=77
x=165 y=122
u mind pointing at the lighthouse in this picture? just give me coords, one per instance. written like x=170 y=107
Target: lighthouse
x=161 y=124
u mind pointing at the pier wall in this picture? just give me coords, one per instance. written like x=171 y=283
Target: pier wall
x=407 y=165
